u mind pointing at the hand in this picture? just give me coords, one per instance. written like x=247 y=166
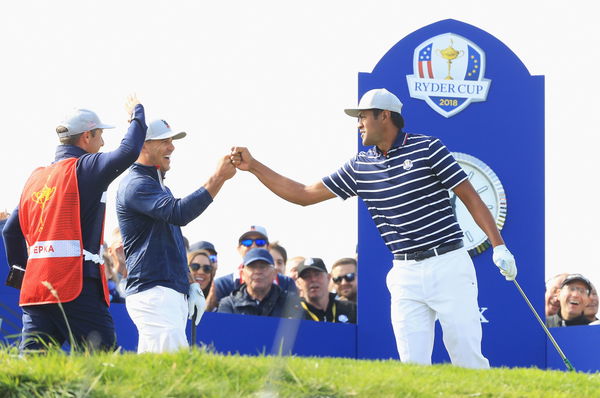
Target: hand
x=504 y=260
x=225 y=168
x=211 y=299
x=130 y=104
x=196 y=302
x=241 y=158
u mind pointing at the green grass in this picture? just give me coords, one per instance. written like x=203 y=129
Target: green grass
x=204 y=374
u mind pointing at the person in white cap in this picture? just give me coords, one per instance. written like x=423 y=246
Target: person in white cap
x=60 y=218
x=160 y=292
x=404 y=180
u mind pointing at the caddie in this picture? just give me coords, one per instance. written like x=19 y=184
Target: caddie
x=59 y=221
x=160 y=292
x=404 y=180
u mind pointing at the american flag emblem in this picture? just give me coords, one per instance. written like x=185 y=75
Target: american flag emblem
x=166 y=124
x=425 y=69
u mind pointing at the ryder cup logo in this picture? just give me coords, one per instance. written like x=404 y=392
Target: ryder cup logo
x=448 y=74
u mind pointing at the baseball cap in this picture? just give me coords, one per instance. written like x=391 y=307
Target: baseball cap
x=203 y=245
x=255 y=229
x=159 y=129
x=311 y=263
x=577 y=277
x=378 y=98
x=81 y=120
x=256 y=255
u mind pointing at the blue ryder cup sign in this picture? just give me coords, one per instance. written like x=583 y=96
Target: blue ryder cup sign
x=448 y=74
x=460 y=84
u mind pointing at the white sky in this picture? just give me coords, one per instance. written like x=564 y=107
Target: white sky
x=275 y=76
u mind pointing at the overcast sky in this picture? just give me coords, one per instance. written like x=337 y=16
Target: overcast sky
x=275 y=76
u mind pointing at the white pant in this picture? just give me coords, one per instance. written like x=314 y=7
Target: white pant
x=160 y=315
x=444 y=286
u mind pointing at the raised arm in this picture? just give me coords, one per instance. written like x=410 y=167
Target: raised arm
x=281 y=186
x=225 y=171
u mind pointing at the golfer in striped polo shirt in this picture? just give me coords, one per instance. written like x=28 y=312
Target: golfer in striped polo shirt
x=404 y=180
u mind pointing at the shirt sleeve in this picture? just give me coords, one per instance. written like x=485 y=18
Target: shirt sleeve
x=444 y=165
x=104 y=167
x=342 y=183
x=14 y=241
x=147 y=197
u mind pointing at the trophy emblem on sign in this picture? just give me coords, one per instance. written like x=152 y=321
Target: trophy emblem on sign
x=450 y=54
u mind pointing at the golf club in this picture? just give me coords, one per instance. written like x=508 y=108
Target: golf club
x=560 y=352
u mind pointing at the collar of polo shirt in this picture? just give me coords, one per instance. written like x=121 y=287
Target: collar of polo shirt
x=398 y=142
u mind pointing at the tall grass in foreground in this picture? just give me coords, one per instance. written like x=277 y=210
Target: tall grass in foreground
x=204 y=374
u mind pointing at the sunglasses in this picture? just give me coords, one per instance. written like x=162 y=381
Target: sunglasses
x=258 y=242
x=206 y=268
x=348 y=277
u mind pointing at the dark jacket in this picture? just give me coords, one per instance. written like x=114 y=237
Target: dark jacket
x=95 y=172
x=338 y=311
x=277 y=303
x=557 y=321
x=226 y=284
x=150 y=219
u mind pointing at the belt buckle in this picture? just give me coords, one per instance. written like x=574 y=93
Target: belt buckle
x=422 y=255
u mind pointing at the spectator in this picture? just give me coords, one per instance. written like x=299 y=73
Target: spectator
x=255 y=237
x=573 y=297
x=591 y=309
x=112 y=280
x=318 y=304
x=204 y=245
x=117 y=260
x=202 y=269
x=3 y=217
x=552 y=289
x=345 y=279
x=259 y=295
x=160 y=293
x=279 y=255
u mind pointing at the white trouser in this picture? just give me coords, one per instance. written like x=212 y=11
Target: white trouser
x=160 y=315
x=444 y=286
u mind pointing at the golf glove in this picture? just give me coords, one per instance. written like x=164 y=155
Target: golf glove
x=196 y=302
x=504 y=260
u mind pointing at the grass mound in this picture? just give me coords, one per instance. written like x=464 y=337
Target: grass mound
x=204 y=374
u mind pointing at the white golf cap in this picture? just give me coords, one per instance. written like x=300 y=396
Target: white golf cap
x=378 y=98
x=81 y=120
x=255 y=230
x=159 y=130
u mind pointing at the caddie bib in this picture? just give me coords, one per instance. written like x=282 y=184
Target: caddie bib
x=49 y=215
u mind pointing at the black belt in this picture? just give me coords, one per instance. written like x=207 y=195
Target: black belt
x=422 y=255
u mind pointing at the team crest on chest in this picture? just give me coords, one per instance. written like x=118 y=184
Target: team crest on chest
x=407 y=164
x=448 y=74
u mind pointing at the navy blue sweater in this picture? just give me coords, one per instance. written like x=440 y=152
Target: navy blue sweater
x=150 y=219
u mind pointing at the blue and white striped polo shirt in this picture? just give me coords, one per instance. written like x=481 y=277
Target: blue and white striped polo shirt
x=406 y=191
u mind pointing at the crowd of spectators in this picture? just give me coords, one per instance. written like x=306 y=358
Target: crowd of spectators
x=268 y=283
